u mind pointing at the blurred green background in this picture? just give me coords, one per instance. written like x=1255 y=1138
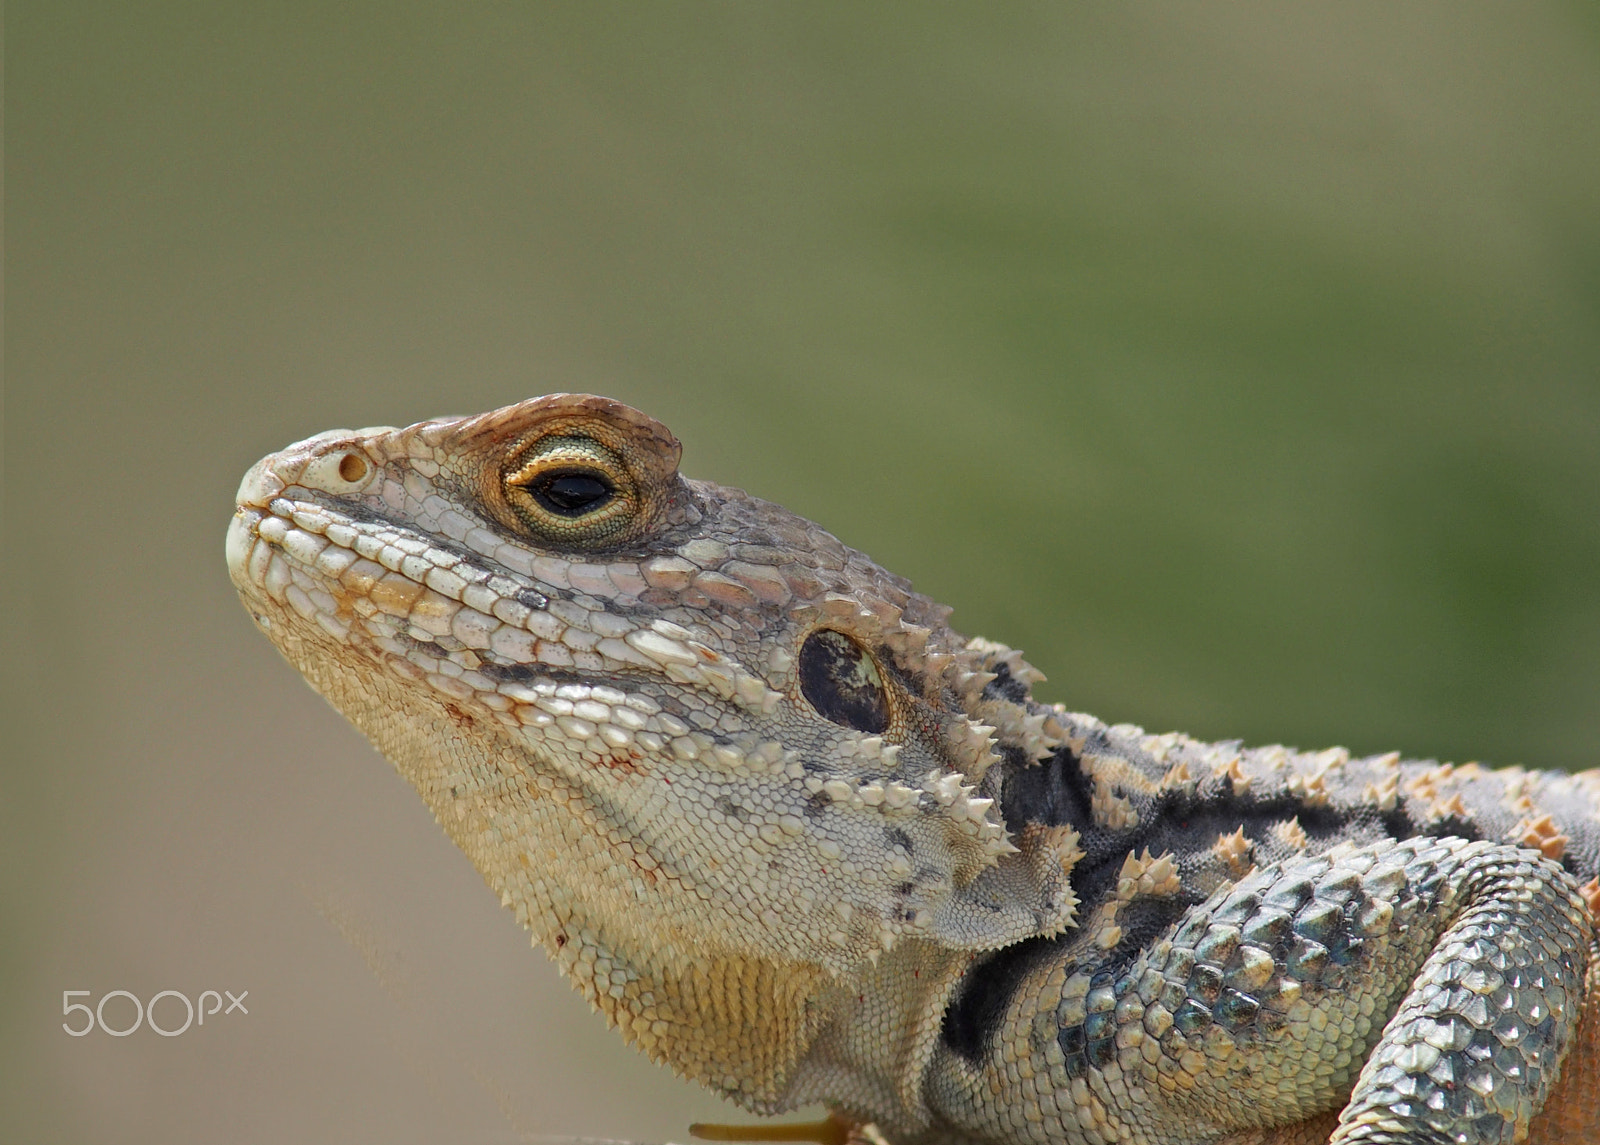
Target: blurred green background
x=1239 y=362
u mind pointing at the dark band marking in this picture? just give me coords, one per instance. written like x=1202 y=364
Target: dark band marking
x=986 y=992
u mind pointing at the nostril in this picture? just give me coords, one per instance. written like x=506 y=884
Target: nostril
x=343 y=472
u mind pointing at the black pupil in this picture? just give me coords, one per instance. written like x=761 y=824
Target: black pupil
x=571 y=494
x=839 y=680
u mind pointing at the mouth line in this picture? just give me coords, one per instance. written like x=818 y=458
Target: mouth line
x=304 y=523
x=599 y=711
x=371 y=583
x=339 y=566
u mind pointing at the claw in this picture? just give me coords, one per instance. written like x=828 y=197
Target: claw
x=831 y=1130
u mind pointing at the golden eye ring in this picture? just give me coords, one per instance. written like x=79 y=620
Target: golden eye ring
x=572 y=490
x=571 y=471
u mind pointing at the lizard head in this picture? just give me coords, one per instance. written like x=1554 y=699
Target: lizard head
x=673 y=725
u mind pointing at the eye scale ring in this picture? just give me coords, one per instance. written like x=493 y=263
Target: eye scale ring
x=572 y=490
x=841 y=681
x=515 y=460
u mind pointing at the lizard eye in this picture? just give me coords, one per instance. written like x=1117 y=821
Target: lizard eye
x=842 y=682
x=571 y=489
x=572 y=493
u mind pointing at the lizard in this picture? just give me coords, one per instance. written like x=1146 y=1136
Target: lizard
x=799 y=840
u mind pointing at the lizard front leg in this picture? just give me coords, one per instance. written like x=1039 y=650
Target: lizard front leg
x=1430 y=987
x=1475 y=953
x=1479 y=1039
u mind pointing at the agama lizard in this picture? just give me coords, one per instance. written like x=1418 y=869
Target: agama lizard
x=799 y=840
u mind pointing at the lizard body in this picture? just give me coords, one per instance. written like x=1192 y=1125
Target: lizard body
x=801 y=841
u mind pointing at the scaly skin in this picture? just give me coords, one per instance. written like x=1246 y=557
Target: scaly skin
x=802 y=842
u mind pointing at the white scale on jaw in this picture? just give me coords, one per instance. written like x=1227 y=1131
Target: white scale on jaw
x=414 y=598
x=489 y=619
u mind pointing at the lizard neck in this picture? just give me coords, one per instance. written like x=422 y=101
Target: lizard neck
x=769 y=1034
x=737 y=1026
x=734 y=1020
x=872 y=1058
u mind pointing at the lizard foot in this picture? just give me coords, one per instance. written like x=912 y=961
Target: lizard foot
x=831 y=1130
